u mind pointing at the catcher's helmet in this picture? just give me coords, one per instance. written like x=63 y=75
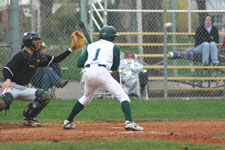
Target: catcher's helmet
x=28 y=37
x=108 y=33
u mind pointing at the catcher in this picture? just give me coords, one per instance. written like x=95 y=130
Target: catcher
x=21 y=68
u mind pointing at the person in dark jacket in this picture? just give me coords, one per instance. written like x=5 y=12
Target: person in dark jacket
x=206 y=38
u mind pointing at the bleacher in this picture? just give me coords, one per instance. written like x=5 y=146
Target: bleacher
x=189 y=79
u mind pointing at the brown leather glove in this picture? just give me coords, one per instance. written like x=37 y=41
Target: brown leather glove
x=78 y=40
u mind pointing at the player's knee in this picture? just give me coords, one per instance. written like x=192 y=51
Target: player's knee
x=5 y=101
x=124 y=98
x=128 y=100
x=43 y=96
x=84 y=100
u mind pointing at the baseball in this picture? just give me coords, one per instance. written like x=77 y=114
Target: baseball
x=168 y=24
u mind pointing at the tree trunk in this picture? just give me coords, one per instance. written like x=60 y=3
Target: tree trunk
x=126 y=21
x=201 y=6
x=45 y=12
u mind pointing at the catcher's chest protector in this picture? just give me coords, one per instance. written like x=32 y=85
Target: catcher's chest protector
x=36 y=59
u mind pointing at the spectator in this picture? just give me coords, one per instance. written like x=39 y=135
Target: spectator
x=47 y=77
x=189 y=55
x=130 y=69
x=206 y=38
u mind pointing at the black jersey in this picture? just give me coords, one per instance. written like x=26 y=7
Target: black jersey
x=23 y=65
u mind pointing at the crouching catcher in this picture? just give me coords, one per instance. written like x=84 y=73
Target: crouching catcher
x=18 y=73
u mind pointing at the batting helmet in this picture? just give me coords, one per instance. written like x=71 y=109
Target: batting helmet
x=28 y=37
x=108 y=33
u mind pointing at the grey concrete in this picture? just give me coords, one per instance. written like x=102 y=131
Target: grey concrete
x=71 y=91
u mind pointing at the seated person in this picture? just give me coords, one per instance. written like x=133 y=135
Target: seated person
x=47 y=77
x=129 y=69
x=206 y=37
x=189 y=55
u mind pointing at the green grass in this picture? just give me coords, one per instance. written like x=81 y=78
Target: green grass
x=111 y=144
x=99 y=110
x=219 y=136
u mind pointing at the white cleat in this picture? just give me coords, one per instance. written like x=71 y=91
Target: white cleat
x=132 y=126
x=68 y=125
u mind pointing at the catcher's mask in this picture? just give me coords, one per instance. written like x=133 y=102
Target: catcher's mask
x=108 y=33
x=28 y=37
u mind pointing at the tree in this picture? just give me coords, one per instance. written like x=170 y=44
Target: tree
x=201 y=6
x=45 y=11
x=126 y=21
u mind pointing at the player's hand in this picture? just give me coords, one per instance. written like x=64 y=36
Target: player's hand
x=7 y=84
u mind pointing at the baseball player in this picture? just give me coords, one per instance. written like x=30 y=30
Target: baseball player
x=99 y=58
x=18 y=73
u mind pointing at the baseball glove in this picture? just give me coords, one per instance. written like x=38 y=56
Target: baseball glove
x=78 y=40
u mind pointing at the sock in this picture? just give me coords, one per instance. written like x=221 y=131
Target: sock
x=76 y=109
x=126 y=110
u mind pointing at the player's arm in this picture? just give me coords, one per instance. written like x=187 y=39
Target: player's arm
x=83 y=58
x=116 y=58
x=53 y=59
x=61 y=57
x=10 y=69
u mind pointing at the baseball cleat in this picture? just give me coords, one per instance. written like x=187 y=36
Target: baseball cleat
x=68 y=124
x=33 y=122
x=132 y=126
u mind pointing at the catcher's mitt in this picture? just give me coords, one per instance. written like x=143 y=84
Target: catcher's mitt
x=78 y=40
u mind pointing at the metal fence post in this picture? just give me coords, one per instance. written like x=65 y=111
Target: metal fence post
x=165 y=49
x=139 y=26
x=14 y=35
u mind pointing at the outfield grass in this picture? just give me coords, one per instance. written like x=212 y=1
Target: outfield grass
x=157 y=110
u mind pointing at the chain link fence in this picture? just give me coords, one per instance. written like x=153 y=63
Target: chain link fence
x=141 y=26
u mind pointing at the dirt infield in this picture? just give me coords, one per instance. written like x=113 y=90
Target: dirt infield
x=187 y=131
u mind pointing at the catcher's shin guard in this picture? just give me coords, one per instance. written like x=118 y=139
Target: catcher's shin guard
x=33 y=109
x=5 y=101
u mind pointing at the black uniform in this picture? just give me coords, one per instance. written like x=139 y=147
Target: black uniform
x=23 y=65
x=20 y=70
